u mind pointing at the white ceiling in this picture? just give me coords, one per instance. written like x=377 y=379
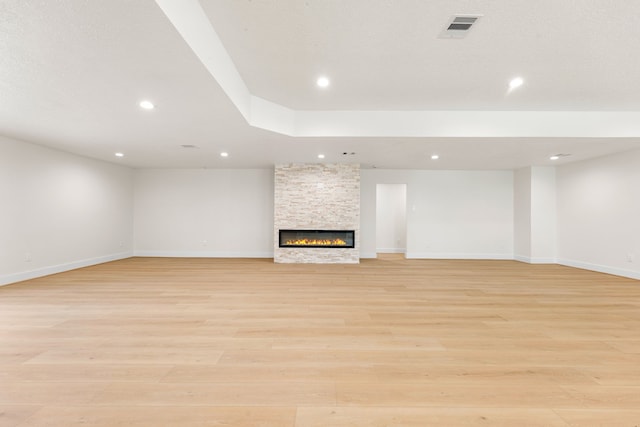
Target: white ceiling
x=73 y=71
x=382 y=55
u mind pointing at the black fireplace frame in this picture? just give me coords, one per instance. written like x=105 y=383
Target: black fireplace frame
x=349 y=237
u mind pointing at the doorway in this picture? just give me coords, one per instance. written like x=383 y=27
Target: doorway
x=391 y=218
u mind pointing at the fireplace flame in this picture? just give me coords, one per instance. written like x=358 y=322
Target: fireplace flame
x=316 y=242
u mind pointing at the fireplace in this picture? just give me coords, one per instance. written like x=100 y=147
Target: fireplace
x=317 y=239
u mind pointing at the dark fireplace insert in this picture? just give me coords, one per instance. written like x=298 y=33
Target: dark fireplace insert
x=317 y=239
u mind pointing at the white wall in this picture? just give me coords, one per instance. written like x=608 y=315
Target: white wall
x=535 y=215
x=599 y=214
x=60 y=211
x=204 y=212
x=543 y=215
x=450 y=214
x=522 y=214
x=391 y=218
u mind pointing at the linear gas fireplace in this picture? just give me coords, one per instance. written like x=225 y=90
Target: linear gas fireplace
x=317 y=239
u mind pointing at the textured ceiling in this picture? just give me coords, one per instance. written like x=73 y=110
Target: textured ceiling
x=73 y=71
x=386 y=55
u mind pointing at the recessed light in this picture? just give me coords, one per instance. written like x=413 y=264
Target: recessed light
x=321 y=156
x=224 y=154
x=556 y=157
x=435 y=157
x=516 y=83
x=322 y=82
x=147 y=105
x=119 y=155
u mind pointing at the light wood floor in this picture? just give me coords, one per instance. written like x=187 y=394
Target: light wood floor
x=389 y=342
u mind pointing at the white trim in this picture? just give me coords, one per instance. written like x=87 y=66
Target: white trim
x=202 y=254
x=368 y=255
x=543 y=261
x=391 y=250
x=601 y=268
x=60 y=268
x=46 y=271
x=440 y=255
x=530 y=260
x=522 y=258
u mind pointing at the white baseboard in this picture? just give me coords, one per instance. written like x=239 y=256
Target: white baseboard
x=368 y=255
x=631 y=274
x=530 y=260
x=440 y=255
x=46 y=271
x=202 y=254
x=391 y=250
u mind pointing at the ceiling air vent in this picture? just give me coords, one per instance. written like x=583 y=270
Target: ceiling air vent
x=458 y=26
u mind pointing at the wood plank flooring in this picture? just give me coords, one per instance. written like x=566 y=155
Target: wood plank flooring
x=388 y=342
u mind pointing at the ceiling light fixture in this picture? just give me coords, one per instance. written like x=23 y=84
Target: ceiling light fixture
x=119 y=155
x=321 y=156
x=554 y=157
x=516 y=83
x=224 y=154
x=435 y=157
x=147 y=105
x=322 y=82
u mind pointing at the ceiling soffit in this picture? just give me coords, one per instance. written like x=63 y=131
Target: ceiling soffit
x=193 y=25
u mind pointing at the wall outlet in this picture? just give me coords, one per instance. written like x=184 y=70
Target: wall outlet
x=27 y=257
x=204 y=243
x=631 y=257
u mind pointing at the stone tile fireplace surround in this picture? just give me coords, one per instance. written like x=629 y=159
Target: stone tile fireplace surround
x=311 y=196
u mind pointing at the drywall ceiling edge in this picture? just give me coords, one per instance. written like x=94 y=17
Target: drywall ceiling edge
x=191 y=22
